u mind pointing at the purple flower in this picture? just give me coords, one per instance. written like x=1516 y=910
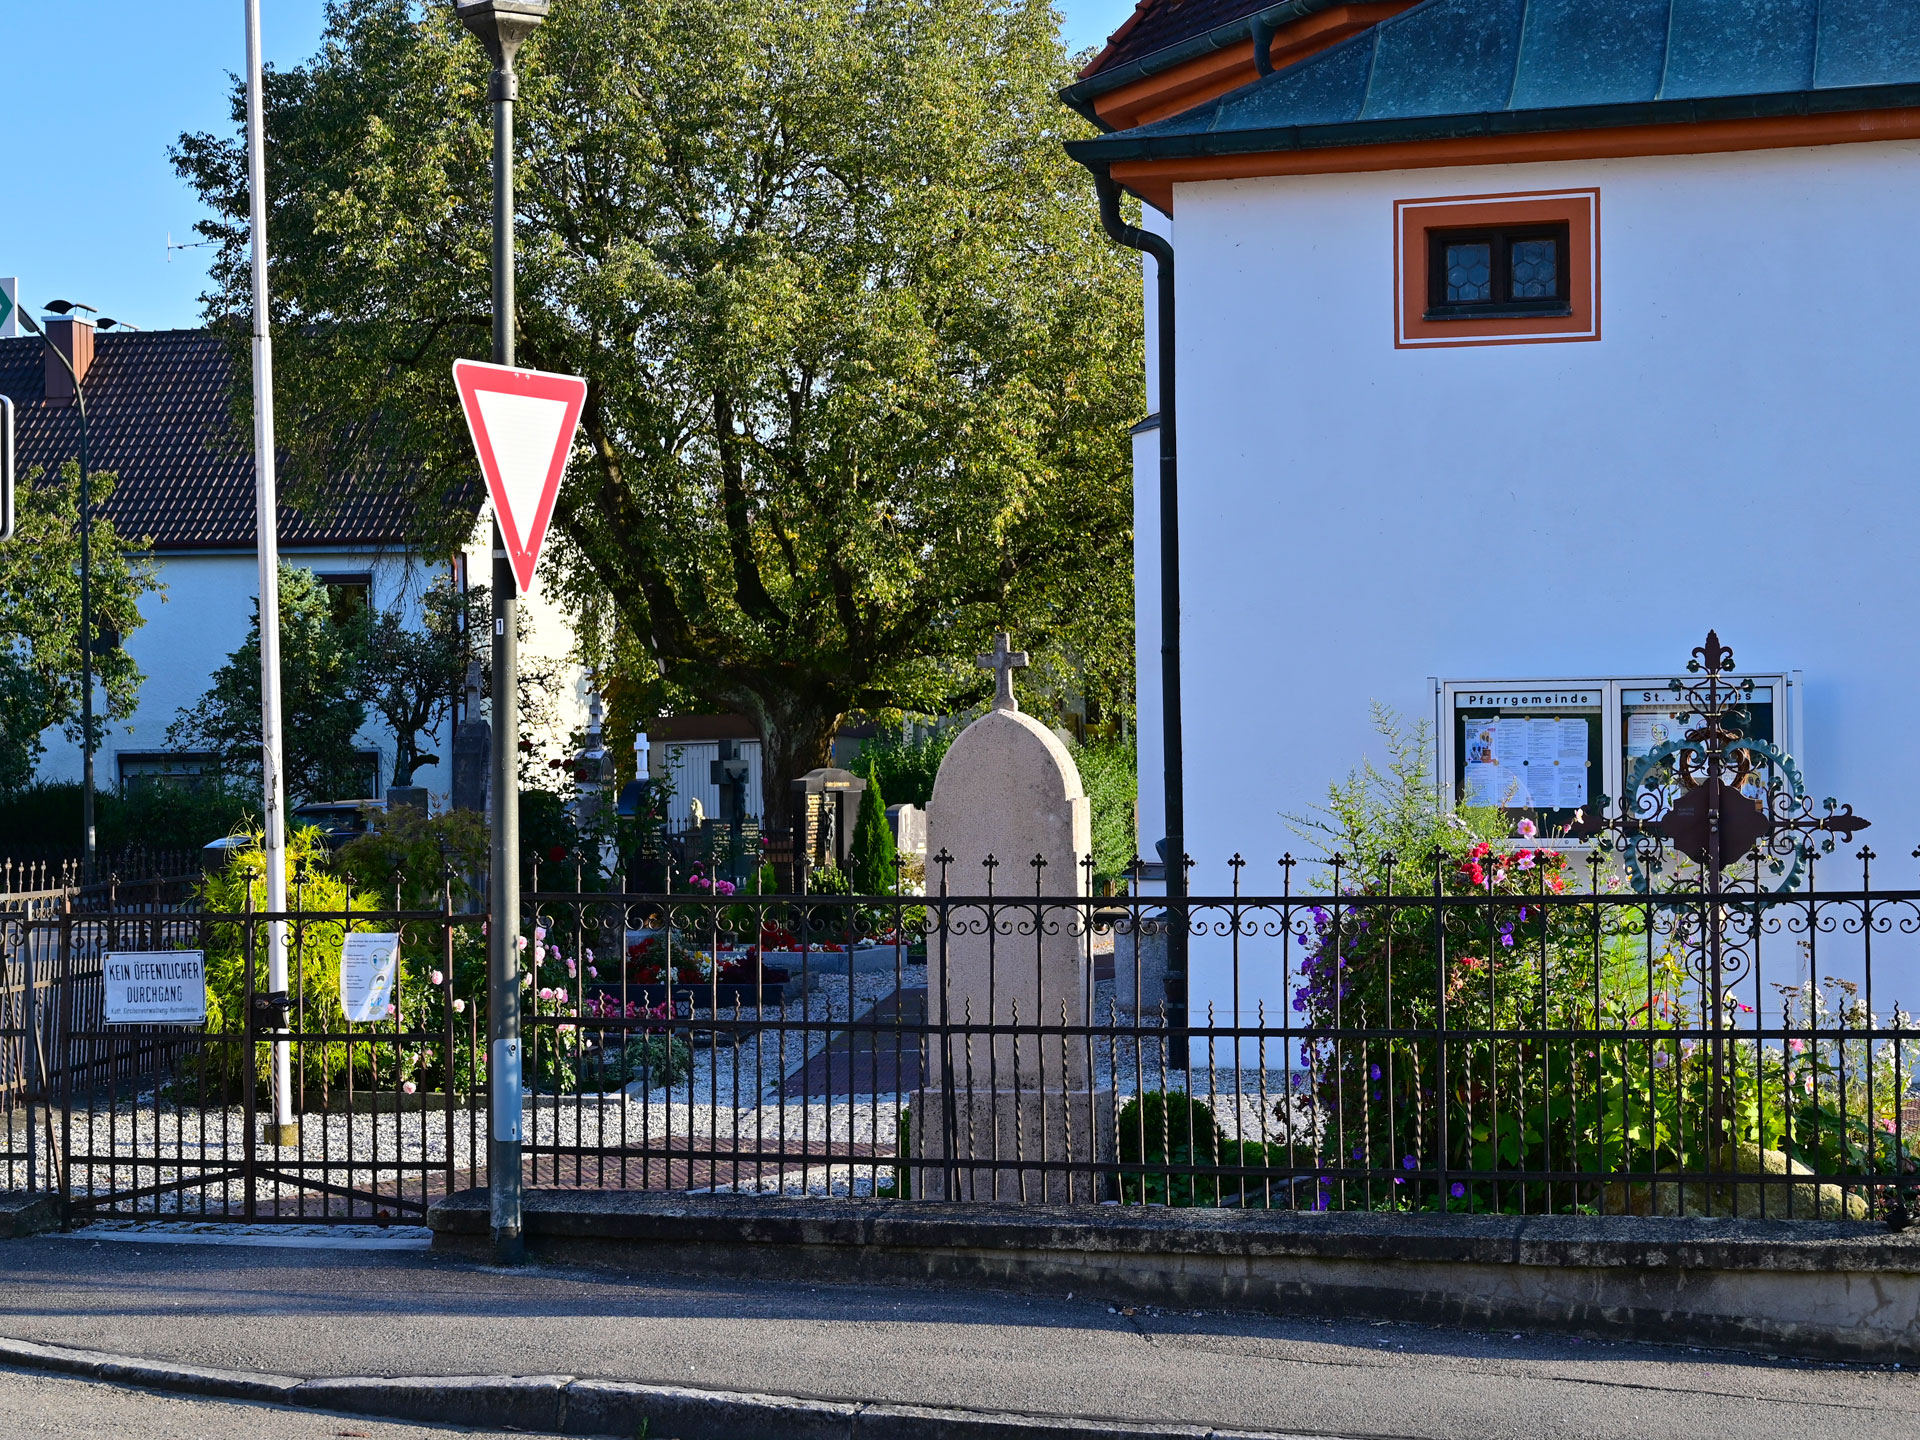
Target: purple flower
x=1375 y=1072
x=1458 y=1189
x=1412 y=1162
x=1359 y=1153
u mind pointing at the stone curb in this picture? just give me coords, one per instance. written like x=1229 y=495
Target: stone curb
x=563 y=1405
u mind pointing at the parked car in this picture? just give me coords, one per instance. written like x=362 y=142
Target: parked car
x=339 y=820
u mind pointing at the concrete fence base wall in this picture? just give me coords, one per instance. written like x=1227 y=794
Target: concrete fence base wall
x=1829 y=1290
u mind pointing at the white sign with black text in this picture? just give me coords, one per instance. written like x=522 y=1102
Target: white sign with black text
x=368 y=963
x=156 y=987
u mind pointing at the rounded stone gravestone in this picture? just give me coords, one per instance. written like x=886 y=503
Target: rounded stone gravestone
x=1008 y=792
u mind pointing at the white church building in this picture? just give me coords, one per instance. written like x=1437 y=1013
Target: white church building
x=1518 y=343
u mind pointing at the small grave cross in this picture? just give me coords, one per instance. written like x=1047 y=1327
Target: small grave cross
x=1003 y=661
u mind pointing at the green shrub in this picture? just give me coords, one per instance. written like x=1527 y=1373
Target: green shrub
x=1166 y=1127
x=418 y=849
x=870 y=858
x=905 y=768
x=313 y=959
x=1109 y=773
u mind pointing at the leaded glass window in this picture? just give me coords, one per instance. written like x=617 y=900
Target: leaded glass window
x=1491 y=273
x=1469 y=272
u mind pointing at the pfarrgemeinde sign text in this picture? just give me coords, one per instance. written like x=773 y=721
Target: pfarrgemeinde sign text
x=156 y=987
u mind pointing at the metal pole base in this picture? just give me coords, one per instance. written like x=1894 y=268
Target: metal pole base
x=286 y=1136
x=509 y=1246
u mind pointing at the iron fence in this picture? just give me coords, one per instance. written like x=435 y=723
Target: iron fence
x=1493 y=1028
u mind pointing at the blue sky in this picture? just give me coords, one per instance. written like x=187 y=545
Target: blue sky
x=92 y=94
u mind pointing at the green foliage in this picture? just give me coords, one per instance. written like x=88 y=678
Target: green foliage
x=320 y=656
x=149 y=814
x=905 y=765
x=1174 y=1129
x=420 y=850
x=40 y=670
x=861 y=359
x=313 y=961
x=1109 y=773
x=870 y=858
x=1531 y=962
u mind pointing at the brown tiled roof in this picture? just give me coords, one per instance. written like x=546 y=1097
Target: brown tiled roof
x=1156 y=24
x=158 y=418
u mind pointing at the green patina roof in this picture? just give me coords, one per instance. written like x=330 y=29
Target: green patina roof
x=1456 y=68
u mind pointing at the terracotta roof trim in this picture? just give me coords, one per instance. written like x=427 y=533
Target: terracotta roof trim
x=1081 y=94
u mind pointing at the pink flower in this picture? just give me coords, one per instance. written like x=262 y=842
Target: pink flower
x=1796 y=1046
x=520 y=942
x=390 y=1010
x=459 y=1007
x=545 y=993
x=540 y=932
x=592 y=974
x=589 y=954
x=406 y=1087
x=1526 y=830
x=438 y=978
x=553 y=952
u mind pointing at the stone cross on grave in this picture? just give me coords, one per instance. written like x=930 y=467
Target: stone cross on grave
x=1003 y=662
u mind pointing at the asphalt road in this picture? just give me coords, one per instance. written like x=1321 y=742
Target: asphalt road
x=46 y=1407
x=308 y=1312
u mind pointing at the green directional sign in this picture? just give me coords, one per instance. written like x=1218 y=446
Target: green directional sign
x=6 y=309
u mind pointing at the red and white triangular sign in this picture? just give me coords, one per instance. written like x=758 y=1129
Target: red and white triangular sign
x=522 y=423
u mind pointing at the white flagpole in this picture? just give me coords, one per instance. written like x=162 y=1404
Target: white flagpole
x=282 y=1130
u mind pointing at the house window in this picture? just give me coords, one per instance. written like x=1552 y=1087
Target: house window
x=1478 y=274
x=349 y=594
x=1497 y=269
x=180 y=769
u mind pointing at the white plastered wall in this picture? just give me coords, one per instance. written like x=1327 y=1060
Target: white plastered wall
x=1738 y=451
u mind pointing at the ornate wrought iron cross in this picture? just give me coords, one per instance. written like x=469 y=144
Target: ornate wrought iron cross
x=1739 y=795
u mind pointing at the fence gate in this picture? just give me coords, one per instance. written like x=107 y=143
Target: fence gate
x=172 y=1122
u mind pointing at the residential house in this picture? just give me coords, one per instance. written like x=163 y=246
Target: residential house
x=158 y=410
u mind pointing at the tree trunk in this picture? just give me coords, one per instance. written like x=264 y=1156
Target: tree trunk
x=796 y=735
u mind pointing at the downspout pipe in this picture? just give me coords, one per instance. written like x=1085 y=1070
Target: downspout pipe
x=1173 y=766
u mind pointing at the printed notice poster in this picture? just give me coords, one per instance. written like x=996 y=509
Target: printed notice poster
x=368 y=963
x=1649 y=728
x=156 y=987
x=1520 y=762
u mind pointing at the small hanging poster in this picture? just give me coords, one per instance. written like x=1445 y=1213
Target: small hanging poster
x=368 y=963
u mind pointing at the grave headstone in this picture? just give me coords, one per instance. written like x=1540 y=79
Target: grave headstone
x=1008 y=790
x=909 y=826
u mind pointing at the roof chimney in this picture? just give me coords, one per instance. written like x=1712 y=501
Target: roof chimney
x=74 y=338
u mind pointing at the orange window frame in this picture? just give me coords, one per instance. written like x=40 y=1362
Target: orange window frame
x=1578 y=210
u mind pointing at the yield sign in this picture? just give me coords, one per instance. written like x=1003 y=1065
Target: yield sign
x=522 y=423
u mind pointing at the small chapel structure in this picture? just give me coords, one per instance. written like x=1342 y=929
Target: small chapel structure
x=1519 y=343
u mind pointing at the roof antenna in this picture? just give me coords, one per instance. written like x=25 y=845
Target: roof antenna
x=189 y=245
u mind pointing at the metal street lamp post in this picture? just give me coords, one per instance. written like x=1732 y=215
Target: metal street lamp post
x=502 y=27
x=67 y=307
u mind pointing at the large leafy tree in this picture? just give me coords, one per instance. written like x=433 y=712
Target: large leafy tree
x=860 y=361
x=40 y=670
